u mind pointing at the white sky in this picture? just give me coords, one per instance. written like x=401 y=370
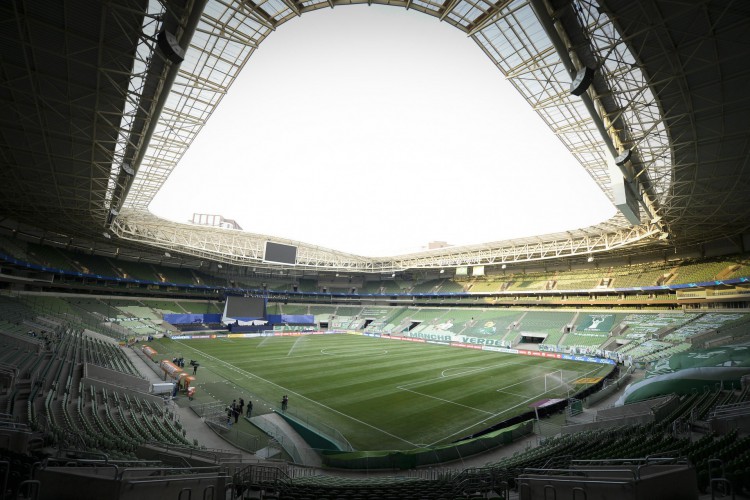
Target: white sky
x=374 y=130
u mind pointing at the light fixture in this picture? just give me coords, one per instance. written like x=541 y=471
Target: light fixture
x=128 y=169
x=590 y=259
x=219 y=266
x=393 y=275
x=167 y=254
x=442 y=271
x=107 y=235
x=503 y=266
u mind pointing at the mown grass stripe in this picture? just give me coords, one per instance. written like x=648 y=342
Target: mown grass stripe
x=381 y=394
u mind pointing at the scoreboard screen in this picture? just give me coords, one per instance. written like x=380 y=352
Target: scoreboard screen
x=245 y=307
x=280 y=254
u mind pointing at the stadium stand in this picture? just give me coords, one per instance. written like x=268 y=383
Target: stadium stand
x=198 y=307
x=482 y=286
x=429 y=286
x=530 y=281
x=90 y=415
x=134 y=270
x=641 y=275
x=98 y=106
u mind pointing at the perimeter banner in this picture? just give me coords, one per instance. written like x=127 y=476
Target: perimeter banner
x=449 y=340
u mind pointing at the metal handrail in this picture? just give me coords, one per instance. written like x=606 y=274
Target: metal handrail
x=580 y=472
x=171 y=471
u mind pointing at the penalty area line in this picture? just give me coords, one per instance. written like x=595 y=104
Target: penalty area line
x=469 y=371
x=493 y=415
x=529 y=400
x=443 y=400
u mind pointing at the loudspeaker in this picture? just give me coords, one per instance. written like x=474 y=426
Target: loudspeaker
x=623 y=157
x=581 y=82
x=170 y=47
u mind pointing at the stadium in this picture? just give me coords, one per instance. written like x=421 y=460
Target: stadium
x=609 y=361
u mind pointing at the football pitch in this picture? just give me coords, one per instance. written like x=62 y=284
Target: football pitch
x=380 y=394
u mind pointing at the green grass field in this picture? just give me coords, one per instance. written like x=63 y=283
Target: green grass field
x=380 y=394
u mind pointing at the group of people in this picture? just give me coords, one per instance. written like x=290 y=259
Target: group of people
x=237 y=408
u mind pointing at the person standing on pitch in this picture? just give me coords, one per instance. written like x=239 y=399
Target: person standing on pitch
x=284 y=402
x=249 y=408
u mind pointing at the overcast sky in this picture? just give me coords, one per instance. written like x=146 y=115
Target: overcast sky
x=374 y=130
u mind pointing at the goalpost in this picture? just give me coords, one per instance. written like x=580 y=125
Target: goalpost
x=553 y=380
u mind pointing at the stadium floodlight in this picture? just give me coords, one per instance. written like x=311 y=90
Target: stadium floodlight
x=590 y=259
x=167 y=254
x=504 y=266
x=107 y=235
x=219 y=266
x=442 y=271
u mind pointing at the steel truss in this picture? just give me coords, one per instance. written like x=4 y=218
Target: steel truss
x=129 y=137
x=74 y=91
x=246 y=249
x=511 y=35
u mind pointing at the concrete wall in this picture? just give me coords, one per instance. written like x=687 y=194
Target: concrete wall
x=89 y=483
x=647 y=482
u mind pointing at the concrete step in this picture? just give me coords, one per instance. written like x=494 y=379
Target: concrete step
x=267 y=452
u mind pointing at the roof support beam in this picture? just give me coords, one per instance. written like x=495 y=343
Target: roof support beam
x=448 y=7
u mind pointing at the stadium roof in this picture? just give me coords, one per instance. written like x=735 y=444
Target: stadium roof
x=92 y=95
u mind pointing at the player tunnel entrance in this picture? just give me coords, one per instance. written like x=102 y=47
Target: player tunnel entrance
x=533 y=338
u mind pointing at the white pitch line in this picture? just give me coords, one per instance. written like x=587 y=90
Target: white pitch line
x=473 y=370
x=285 y=389
x=442 y=376
x=444 y=400
x=493 y=415
x=371 y=352
x=502 y=389
x=461 y=431
x=512 y=394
